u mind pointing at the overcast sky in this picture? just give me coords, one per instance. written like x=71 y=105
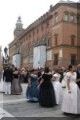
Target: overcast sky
x=29 y=10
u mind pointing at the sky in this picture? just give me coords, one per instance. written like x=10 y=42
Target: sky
x=29 y=10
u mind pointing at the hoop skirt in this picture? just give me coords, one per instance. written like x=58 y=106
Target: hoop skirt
x=46 y=92
x=32 y=90
x=58 y=91
x=58 y=88
x=16 y=88
x=71 y=101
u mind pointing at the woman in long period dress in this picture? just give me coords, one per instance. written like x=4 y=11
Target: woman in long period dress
x=46 y=90
x=57 y=87
x=71 y=98
x=16 y=88
x=32 y=90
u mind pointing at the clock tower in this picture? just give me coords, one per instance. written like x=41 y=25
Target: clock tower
x=19 y=28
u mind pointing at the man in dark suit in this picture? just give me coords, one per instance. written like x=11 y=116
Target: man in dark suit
x=78 y=75
x=7 y=77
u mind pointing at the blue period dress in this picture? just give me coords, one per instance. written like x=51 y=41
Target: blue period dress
x=32 y=90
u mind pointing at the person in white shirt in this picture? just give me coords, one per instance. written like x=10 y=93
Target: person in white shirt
x=71 y=98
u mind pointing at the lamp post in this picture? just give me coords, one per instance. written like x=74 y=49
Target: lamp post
x=6 y=57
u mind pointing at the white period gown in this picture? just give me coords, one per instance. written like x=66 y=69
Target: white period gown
x=71 y=101
x=58 y=88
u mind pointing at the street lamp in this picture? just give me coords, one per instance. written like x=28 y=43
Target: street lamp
x=6 y=57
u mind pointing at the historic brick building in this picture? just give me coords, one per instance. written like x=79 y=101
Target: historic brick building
x=58 y=29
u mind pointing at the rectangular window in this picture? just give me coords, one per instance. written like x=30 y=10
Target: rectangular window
x=71 y=18
x=37 y=30
x=55 y=59
x=66 y=17
x=75 y=18
x=49 y=44
x=78 y=18
x=29 y=36
x=56 y=17
x=33 y=33
x=56 y=39
x=47 y=24
x=42 y=28
x=73 y=59
x=72 y=40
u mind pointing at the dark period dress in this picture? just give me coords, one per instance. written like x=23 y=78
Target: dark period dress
x=78 y=78
x=16 y=88
x=46 y=92
x=32 y=90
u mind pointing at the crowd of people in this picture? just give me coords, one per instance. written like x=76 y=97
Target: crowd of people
x=12 y=78
x=49 y=88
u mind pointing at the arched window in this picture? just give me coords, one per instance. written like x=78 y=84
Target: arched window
x=66 y=16
x=56 y=39
x=71 y=17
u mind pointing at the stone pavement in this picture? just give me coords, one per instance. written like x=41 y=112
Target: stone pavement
x=26 y=109
x=12 y=98
x=17 y=106
x=9 y=99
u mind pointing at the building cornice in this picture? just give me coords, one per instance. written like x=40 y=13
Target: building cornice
x=63 y=46
x=43 y=18
x=75 y=5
